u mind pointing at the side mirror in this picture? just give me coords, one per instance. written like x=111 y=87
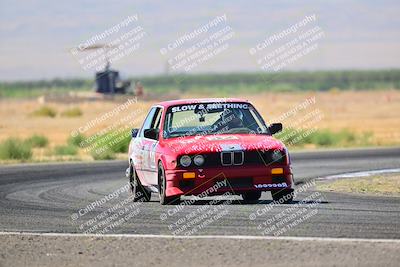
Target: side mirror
x=135 y=132
x=151 y=134
x=275 y=128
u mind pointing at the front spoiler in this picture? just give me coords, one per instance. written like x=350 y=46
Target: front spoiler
x=237 y=180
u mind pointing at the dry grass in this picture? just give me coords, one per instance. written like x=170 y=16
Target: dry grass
x=360 y=112
x=17 y=122
x=374 y=111
x=375 y=185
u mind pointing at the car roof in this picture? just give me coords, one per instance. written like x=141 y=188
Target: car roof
x=169 y=103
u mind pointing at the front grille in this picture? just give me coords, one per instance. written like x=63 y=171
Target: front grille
x=226 y=158
x=232 y=158
x=256 y=157
x=238 y=158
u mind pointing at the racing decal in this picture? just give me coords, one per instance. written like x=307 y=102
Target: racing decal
x=149 y=155
x=152 y=156
x=231 y=147
x=219 y=138
x=190 y=141
x=146 y=156
x=209 y=107
x=270 y=185
x=183 y=108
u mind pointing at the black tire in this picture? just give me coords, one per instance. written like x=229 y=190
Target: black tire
x=282 y=196
x=251 y=197
x=137 y=189
x=162 y=184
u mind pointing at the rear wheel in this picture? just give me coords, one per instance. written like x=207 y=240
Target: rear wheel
x=162 y=188
x=282 y=196
x=251 y=197
x=138 y=190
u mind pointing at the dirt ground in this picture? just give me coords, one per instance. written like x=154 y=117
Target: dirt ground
x=364 y=111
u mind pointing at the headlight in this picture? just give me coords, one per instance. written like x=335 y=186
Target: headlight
x=198 y=160
x=277 y=155
x=185 y=161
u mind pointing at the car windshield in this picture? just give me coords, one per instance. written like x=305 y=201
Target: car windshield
x=212 y=118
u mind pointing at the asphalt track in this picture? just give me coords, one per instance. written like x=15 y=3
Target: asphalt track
x=46 y=197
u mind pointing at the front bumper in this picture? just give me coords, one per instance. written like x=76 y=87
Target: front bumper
x=234 y=179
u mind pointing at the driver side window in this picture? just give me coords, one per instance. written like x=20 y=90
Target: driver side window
x=147 y=121
x=151 y=125
x=157 y=119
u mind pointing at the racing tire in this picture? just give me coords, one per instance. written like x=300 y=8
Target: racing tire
x=140 y=193
x=162 y=186
x=251 y=197
x=282 y=196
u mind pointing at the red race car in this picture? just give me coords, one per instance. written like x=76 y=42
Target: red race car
x=212 y=146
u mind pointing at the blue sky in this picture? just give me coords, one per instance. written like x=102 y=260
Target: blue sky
x=36 y=36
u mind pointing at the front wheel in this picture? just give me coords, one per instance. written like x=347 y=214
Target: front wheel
x=162 y=188
x=282 y=196
x=251 y=197
x=139 y=192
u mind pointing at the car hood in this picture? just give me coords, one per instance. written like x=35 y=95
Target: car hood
x=223 y=142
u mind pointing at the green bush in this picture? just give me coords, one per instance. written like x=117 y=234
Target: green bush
x=45 y=111
x=365 y=139
x=71 y=113
x=295 y=137
x=116 y=141
x=105 y=155
x=14 y=148
x=122 y=142
x=77 y=140
x=329 y=138
x=65 y=150
x=37 y=141
x=323 y=138
x=347 y=137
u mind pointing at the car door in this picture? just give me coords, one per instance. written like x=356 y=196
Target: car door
x=150 y=148
x=139 y=145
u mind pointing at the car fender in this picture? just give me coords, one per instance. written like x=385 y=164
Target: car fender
x=161 y=158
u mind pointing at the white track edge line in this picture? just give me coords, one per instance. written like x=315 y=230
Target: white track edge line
x=243 y=237
x=360 y=174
